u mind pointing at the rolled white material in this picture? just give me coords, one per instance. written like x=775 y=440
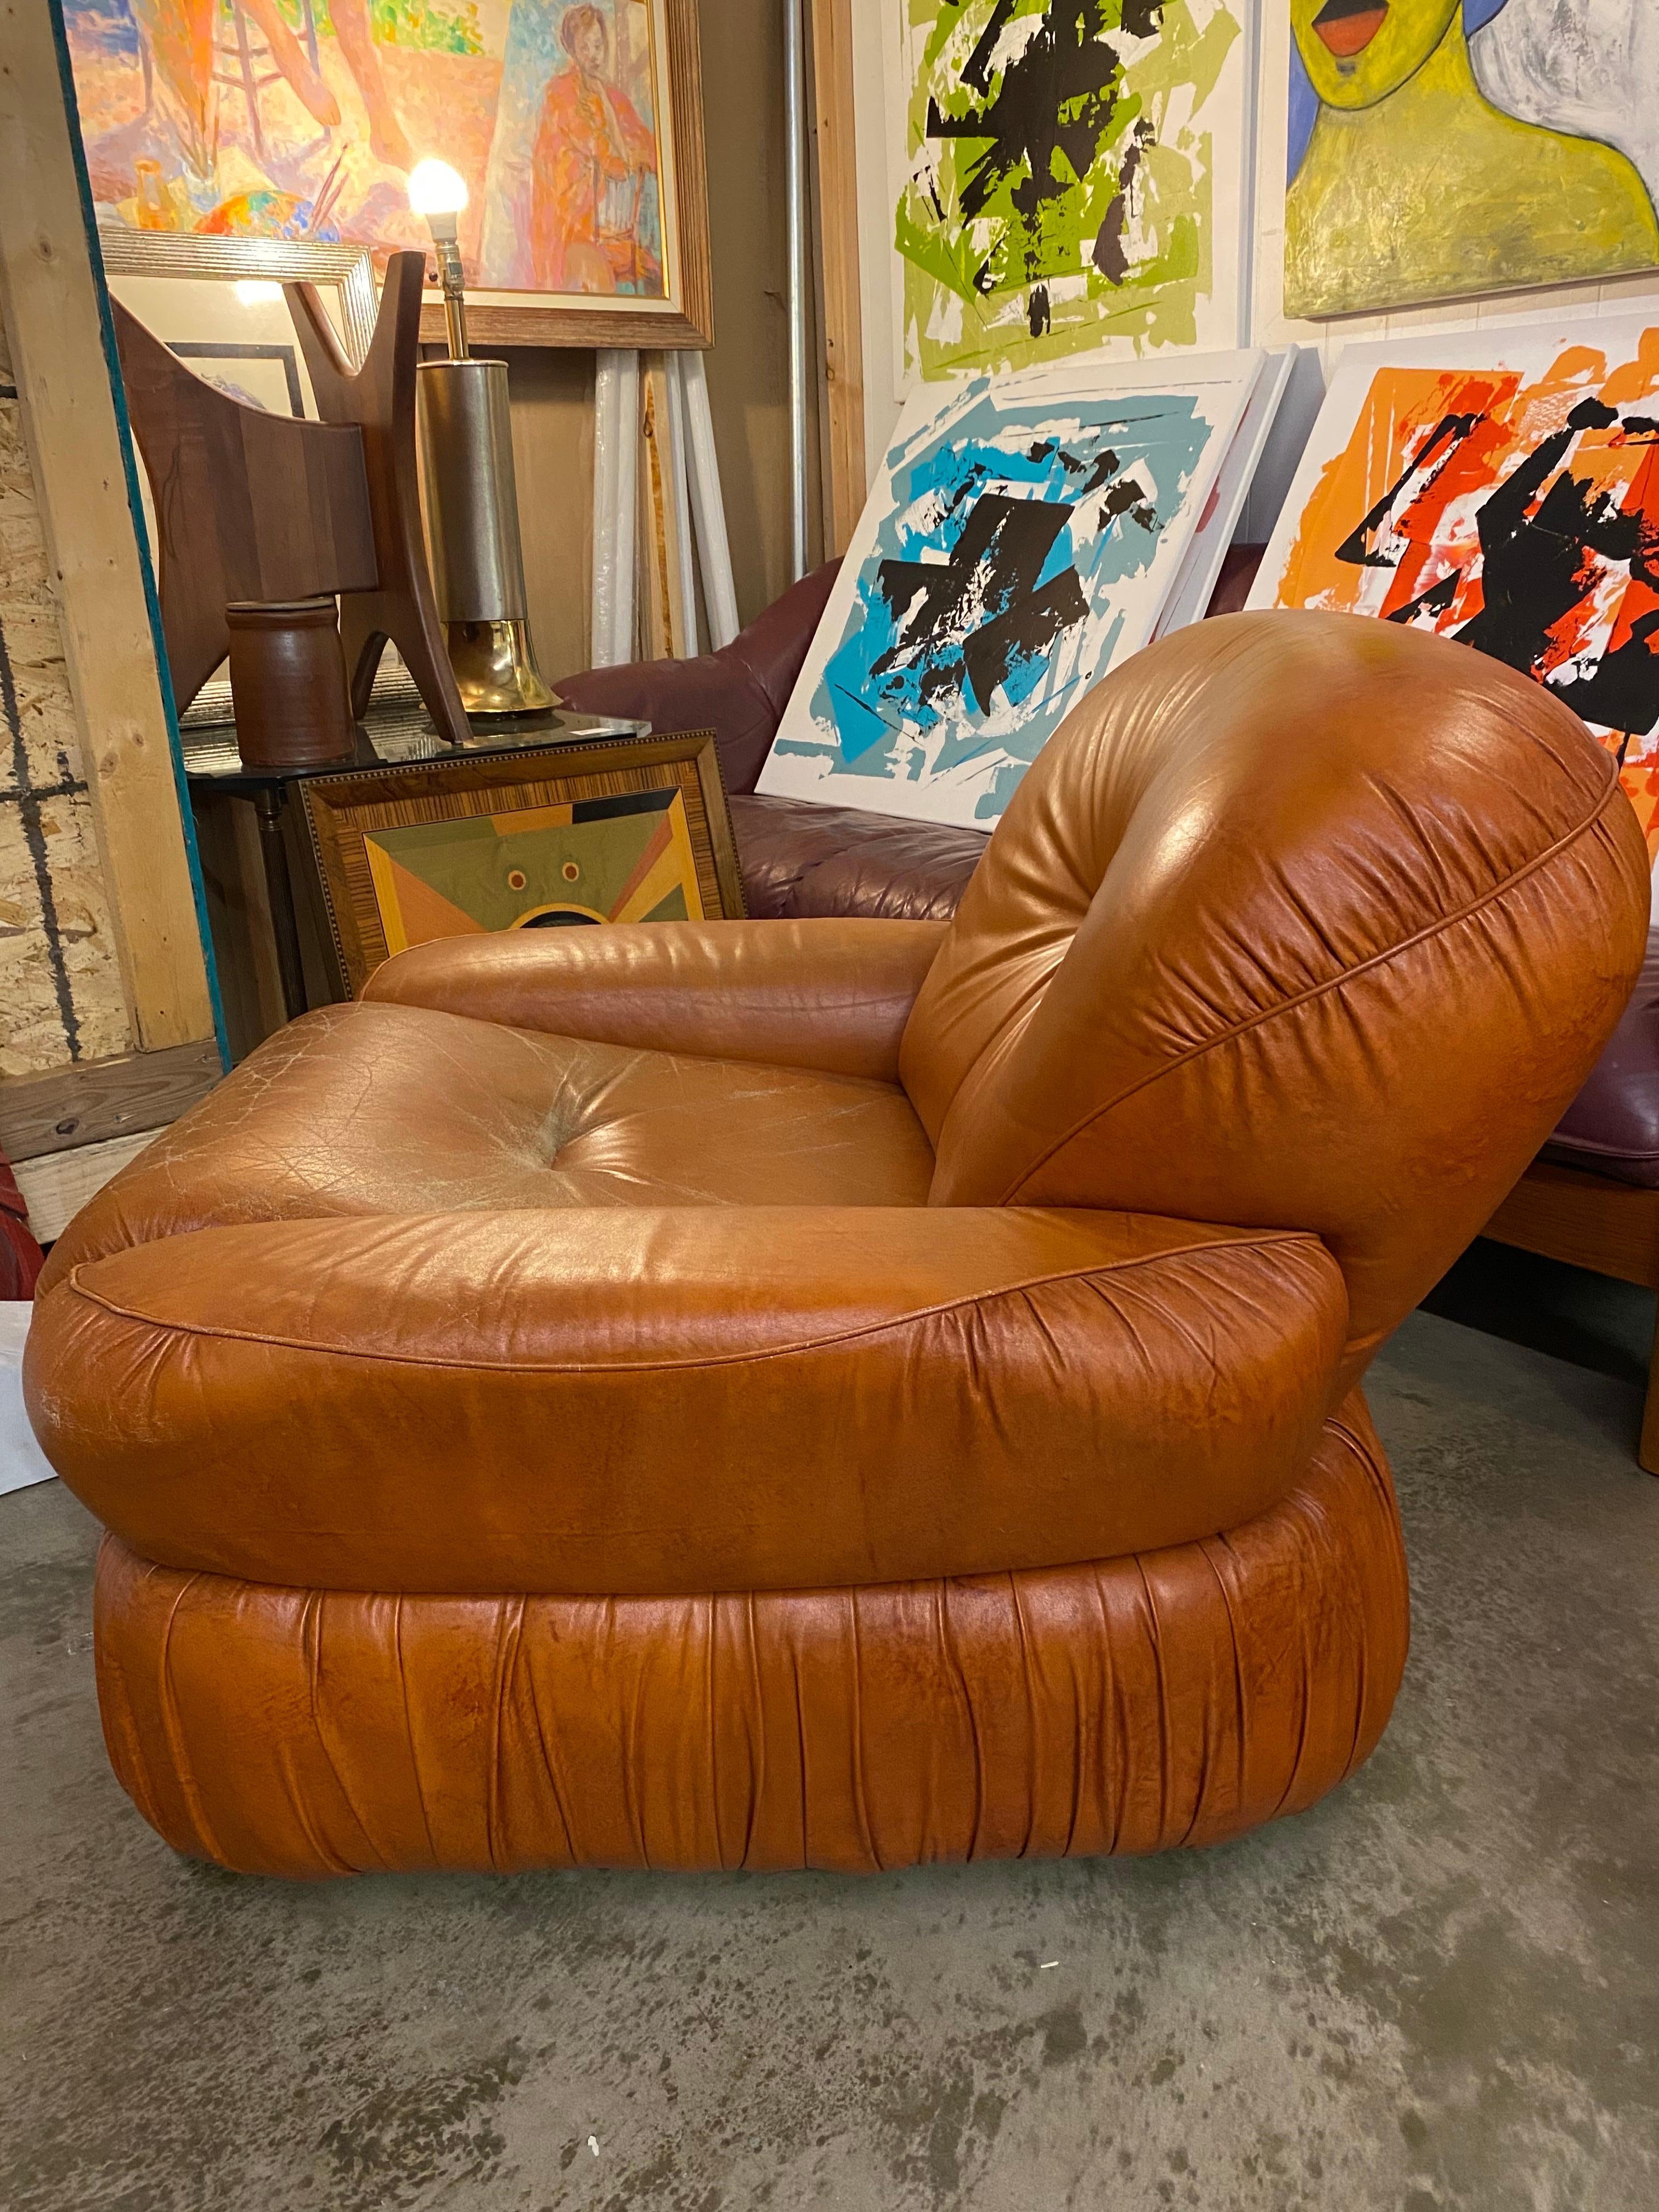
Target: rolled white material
x=679 y=511
x=708 y=509
x=22 y=1460
x=794 y=150
x=616 y=491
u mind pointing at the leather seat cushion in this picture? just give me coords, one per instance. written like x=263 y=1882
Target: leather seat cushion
x=371 y=1109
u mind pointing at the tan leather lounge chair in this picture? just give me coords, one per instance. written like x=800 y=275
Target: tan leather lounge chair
x=847 y=1393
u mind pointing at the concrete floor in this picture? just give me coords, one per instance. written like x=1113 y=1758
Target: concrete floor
x=1440 y=1988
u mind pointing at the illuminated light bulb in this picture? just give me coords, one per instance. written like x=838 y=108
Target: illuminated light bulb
x=256 y=291
x=439 y=193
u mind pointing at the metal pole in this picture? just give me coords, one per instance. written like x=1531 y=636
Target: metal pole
x=794 y=157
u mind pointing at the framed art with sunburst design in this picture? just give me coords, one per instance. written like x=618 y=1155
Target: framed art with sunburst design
x=568 y=837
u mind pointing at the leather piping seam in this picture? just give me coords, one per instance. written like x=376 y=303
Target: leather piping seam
x=1290 y=1005
x=1263 y=1240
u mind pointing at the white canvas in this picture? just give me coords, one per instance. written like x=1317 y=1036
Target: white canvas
x=1021 y=541
x=1199 y=571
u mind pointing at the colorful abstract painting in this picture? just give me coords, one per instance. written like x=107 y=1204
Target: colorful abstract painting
x=1070 y=172
x=1023 y=539
x=1507 y=497
x=624 y=858
x=300 y=119
x=1440 y=149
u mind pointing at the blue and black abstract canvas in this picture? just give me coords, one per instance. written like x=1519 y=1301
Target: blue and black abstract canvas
x=1022 y=539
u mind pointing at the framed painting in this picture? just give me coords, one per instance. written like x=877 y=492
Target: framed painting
x=568 y=837
x=1065 y=175
x=1500 y=488
x=1438 y=149
x=1023 y=537
x=577 y=126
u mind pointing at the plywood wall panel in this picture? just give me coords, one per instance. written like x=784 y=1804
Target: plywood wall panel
x=61 y=997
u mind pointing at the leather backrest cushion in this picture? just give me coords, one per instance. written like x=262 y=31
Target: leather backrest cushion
x=739 y=692
x=1299 y=920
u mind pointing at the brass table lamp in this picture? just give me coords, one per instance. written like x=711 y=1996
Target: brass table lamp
x=470 y=490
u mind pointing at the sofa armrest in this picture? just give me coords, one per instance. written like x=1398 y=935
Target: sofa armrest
x=833 y=995
x=682 y=1399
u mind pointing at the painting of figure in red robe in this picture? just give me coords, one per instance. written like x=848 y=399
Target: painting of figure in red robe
x=593 y=225
x=576 y=124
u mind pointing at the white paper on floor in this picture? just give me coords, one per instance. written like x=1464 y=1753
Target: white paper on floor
x=22 y=1460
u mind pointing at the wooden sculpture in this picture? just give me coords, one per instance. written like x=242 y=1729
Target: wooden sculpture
x=251 y=505
x=380 y=399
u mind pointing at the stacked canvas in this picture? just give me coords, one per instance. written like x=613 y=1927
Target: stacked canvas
x=1500 y=487
x=1026 y=534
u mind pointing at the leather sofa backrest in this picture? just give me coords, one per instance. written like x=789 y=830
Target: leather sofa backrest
x=1299 y=920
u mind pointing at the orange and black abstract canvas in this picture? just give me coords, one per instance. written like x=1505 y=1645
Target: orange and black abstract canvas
x=1500 y=488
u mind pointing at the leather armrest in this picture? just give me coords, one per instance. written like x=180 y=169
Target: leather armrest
x=833 y=995
x=685 y=1400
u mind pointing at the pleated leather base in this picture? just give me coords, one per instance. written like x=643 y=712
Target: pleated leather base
x=1174 y=1697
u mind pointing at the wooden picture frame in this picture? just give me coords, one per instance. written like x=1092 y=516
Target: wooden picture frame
x=182 y=162
x=390 y=843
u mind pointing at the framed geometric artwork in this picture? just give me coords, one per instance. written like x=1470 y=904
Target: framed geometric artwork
x=1442 y=149
x=568 y=837
x=1500 y=488
x=577 y=126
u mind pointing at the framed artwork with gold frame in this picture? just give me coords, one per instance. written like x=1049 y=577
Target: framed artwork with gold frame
x=576 y=125
x=567 y=836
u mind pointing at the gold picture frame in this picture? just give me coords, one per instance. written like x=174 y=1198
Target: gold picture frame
x=570 y=180
x=635 y=829
x=345 y=271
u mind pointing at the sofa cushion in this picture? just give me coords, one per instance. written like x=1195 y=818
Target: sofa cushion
x=371 y=1110
x=801 y=859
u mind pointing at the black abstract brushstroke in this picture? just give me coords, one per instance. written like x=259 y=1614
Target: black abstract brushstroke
x=986 y=601
x=1435 y=450
x=1057 y=99
x=1534 y=565
x=1435 y=601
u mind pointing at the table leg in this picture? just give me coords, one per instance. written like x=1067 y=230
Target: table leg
x=267 y=805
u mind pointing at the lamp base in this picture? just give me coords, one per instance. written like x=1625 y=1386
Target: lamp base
x=495 y=670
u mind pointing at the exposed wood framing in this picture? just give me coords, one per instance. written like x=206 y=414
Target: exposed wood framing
x=843 y=321
x=102 y=1099
x=50 y=300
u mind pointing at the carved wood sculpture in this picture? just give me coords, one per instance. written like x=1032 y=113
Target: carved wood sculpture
x=249 y=505
x=380 y=399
